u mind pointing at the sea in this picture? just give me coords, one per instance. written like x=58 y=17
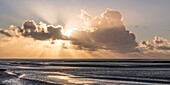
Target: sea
x=84 y=72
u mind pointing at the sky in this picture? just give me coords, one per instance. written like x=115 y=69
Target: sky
x=89 y=28
x=146 y=18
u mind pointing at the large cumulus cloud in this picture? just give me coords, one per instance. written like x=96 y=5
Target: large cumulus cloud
x=107 y=29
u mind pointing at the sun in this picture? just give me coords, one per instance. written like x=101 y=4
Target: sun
x=67 y=32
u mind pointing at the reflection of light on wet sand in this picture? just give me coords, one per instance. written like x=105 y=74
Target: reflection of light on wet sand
x=60 y=77
x=74 y=80
x=70 y=79
x=82 y=81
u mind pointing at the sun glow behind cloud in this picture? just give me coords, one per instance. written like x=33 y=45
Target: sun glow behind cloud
x=67 y=32
x=53 y=17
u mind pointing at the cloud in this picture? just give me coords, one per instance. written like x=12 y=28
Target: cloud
x=81 y=35
x=32 y=30
x=42 y=31
x=55 y=32
x=108 y=29
x=29 y=26
x=4 y=32
x=157 y=44
x=158 y=47
x=103 y=36
x=108 y=19
x=85 y=45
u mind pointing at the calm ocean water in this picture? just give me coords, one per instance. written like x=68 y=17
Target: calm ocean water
x=89 y=72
